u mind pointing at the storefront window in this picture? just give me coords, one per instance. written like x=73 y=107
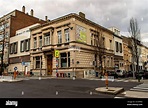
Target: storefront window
x=63 y=60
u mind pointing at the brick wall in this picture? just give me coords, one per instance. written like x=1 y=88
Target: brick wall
x=22 y=20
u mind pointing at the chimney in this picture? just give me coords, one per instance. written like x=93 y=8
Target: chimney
x=46 y=18
x=31 y=12
x=23 y=9
x=81 y=14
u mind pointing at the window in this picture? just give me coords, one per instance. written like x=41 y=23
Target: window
x=117 y=47
x=94 y=41
x=103 y=42
x=40 y=41
x=27 y=44
x=121 y=64
x=59 y=37
x=11 y=48
x=22 y=46
x=120 y=47
x=38 y=62
x=15 y=48
x=110 y=44
x=66 y=35
x=35 y=43
x=47 y=38
x=63 y=60
x=97 y=38
x=91 y=38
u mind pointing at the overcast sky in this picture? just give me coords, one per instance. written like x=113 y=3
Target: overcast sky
x=107 y=13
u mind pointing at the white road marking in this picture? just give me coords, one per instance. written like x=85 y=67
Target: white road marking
x=56 y=92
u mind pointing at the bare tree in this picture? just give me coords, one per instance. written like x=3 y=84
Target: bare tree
x=99 y=50
x=2 y=33
x=135 y=41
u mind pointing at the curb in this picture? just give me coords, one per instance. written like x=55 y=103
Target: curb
x=110 y=91
x=18 y=80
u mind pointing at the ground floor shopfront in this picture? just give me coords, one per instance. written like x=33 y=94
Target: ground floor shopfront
x=69 y=63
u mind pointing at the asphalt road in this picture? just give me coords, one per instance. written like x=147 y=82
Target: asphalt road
x=58 y=88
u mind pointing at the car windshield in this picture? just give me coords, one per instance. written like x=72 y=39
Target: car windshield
x=118 y=71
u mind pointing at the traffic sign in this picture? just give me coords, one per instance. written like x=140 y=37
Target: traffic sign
x=23 y=63
x=57 y=53
x=15 y=68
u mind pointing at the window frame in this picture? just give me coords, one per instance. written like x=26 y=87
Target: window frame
x=35 y=42
x=67 y=35
x=47 y=39
x=40 y=41
x=59 y=34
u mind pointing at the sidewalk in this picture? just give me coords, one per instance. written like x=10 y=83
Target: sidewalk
x=11 y=80
x=136 y=94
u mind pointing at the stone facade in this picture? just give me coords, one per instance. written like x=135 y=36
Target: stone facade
x=76 y=62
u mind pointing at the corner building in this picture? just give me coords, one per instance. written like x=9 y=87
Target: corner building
x=66 y=34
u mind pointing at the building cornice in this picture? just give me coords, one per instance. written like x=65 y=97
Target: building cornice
x=73 y=15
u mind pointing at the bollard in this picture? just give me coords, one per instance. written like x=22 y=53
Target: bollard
x=14 y=75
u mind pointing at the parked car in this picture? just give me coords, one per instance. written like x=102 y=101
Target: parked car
x=146 y=74
x=140 y=74
x=112 y=73
x=130 y=74
x=121 y=73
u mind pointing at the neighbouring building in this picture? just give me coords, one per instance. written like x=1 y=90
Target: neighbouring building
x=118 y=49
x=127 y=55
x=140 y=53
x=144 y=57
x=74 y=39
x=9 y=24
x=19 y=55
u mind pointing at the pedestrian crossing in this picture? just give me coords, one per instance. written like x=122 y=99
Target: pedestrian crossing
x=116 y=80
x=142 y=87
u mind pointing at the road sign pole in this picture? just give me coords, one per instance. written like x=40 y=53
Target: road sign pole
x=57 y=66
x=57 y=56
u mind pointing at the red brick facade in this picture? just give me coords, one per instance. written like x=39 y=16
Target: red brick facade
x=22 y=20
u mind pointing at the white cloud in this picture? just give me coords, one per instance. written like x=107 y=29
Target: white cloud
x=104 y=12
